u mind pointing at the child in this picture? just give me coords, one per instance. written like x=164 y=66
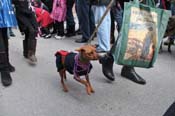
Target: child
x=58 y=14
x=44 y=19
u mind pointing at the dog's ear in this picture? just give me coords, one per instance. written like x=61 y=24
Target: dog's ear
x=80 y=49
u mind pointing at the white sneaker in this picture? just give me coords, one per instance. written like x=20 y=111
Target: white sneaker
x=59 y=37
x=48 y=36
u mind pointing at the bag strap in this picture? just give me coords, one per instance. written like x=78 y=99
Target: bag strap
x=147 y=2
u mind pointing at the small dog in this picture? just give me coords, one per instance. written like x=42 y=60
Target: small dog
x=77 y=64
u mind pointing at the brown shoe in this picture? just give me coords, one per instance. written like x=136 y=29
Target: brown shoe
x=32 y=58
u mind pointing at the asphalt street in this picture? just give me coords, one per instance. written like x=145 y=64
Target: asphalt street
x=36 y=90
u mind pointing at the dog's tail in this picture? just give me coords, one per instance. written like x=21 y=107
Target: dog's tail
x=60 y=56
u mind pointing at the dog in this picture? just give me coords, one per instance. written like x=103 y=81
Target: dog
x=77 y=64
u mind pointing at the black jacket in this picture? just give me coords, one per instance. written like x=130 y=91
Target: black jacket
x=100 y=2
x=25 y=16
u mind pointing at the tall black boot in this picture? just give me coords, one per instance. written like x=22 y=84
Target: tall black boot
x=5 y=74
x=129 y=73
x=107 y=62
x=25 y=48
x=70 y=31
x=11 y=68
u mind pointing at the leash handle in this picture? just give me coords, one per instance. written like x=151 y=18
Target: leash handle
x=99 y=23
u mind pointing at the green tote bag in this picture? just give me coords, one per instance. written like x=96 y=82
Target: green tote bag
x=142 y=30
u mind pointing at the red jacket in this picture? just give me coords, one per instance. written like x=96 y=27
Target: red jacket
x=43 y=17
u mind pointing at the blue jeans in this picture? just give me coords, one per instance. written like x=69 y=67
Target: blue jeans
x=104 y=30
x=118 y=17
x=86 y=18
x=70 y=18
x=173 y=9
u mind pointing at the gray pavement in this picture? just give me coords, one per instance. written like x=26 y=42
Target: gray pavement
x=36 y=90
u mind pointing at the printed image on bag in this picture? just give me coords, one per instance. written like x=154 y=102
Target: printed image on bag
x=143 y=24
x=139 y=39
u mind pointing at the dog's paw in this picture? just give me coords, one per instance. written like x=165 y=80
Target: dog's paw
x=92 y=90
x=88 y=90
x=65 y=89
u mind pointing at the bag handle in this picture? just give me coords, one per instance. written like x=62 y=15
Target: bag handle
x=148 y=2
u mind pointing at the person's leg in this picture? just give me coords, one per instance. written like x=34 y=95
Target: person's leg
x=4 y=67
x=61 y=29
x=60 y=33
x=46 y=32
x=83 y=15
x=127 y=72
x=11 y=68
x=31 y=44
x=70 y=19
x=11 y=32
x=103 y=33
x=130 y=73
x=92 y=20
x=112 y=37
x=55 y=28
x=107 y=62
x=25 y=44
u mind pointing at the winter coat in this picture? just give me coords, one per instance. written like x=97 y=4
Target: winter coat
x=25 y=17
x=59 y=10
x=43 y=17
x=100 y=2
x=7 y=16
x=49 y=4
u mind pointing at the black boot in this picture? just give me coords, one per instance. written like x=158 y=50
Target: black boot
x=70 y=31
x=78 y=32
x=107 y=62
x=6 y=78
x=129 y=73
x=25 y=48
x=31 y=53
x=4 y=69
x=11 y=67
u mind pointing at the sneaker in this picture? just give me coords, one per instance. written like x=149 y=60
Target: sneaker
x=82 y=40
x=48 y=36
x=59 y=37
x=78 y=32
x=43 y=35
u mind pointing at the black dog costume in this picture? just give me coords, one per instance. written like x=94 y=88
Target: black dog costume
x=71 y=62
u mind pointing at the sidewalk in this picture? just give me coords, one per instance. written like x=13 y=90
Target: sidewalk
x=36 y=91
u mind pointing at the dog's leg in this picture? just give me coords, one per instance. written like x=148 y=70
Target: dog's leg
x=62 y=72
x=84 y=83
x=90 y=86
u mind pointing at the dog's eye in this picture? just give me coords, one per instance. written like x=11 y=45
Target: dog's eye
x=91 y=53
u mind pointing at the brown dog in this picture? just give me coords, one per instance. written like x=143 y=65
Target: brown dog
x=77 y=64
